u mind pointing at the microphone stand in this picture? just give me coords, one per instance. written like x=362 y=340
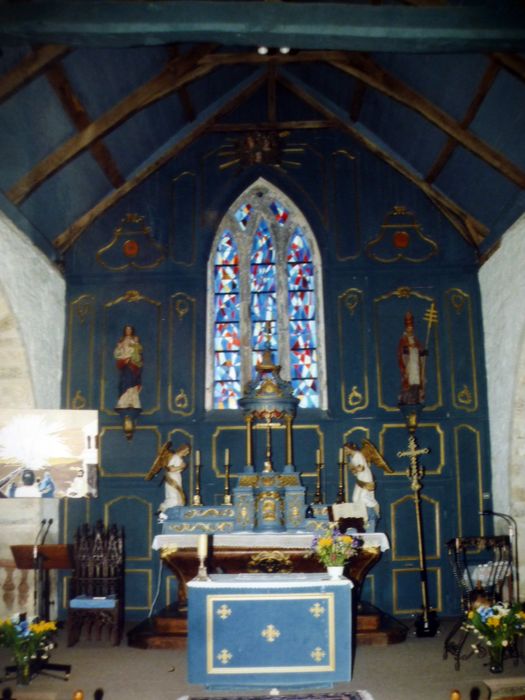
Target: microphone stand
x=37 y=560
x=513 y=537
x=43 y=611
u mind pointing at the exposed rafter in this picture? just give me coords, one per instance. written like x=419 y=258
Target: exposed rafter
x=29 y=68
x=66 y=239
x=472 y=230
x=486 y=83
x=177 y=73
x=315 y=25
x=80 y=118
x=365 y=69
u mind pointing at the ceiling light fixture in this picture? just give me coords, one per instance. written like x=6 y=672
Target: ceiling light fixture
x=284 y=49
x=262 y=50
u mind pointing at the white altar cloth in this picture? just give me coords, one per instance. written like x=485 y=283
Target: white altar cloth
x=261 y=540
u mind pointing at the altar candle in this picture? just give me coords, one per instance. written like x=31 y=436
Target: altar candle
x=227 y=455
x=202 y=546
x=198 y=458
x=318 y=457
x=340 y=454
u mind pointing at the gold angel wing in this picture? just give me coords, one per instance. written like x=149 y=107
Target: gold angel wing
x=161 y=460
x=373 y=456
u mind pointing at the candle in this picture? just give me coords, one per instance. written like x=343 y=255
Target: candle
x=202 y=546
x=340 y=454
x=198 y=458
x=318 y=456
x=227 y=456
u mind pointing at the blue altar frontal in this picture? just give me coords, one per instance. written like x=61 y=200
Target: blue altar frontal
x=260 y=630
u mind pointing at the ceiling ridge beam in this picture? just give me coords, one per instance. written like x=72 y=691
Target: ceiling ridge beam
x=365 y=69
x=357 y=27
x=446 y=152
x=177 y=73
x=472 y=230
x=29 y=68
x=68 y=237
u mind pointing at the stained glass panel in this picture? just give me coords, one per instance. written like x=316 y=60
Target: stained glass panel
x=227 y=336
x=227 y=358
x=226 y=278
x=226 y=394
x=262 y=248
x=243 y=215
x=226 y=253
x=298 y=250
x=279 y=212
x=301 y=276
x=302 y=335
x=306 y=390
x=260 y=336
x=301 y=305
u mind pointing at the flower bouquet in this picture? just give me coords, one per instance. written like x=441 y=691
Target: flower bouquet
x=333 y=548
x=25 y=640
x=498 y=627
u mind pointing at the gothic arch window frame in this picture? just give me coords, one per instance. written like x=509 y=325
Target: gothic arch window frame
x=261 y=194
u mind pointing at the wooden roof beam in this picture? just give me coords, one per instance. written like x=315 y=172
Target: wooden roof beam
x=365 y=69
x=473 y=231
x=176 y=74
x=76 y=112
x=29 y=68
x=68 y=237
x=486 y=83
x=315 y=25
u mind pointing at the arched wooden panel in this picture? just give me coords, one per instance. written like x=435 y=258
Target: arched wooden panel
x=462 y=350
x=353 y=351
x=182 y=354
x=120 y=457
x=404 y=530
x=80 y=352
x=134 y=514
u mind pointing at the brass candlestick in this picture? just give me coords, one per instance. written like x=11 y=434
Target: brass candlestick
x=318 y=498
x=227 y=494
x=341 y=488
x=196 y=500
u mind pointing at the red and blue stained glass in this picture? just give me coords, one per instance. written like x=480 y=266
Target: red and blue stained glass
x=279 y=212
x=227 y=359
x=302 y=323
x=263 y=305
x=243 y=214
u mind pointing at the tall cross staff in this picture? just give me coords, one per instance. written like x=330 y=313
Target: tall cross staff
x=415 y=474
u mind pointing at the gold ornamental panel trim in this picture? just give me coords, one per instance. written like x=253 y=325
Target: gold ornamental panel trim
x=270 y=563
x=181 y=400
x=464 y=395
x=141 y=572
x=208 y=528
x=108 y=519
x=394 y=519
x=396 y=587
x=458 y=429
x=354 y=390
x=82 y=313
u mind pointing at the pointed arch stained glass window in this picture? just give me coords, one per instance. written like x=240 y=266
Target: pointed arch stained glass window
x=265 y=286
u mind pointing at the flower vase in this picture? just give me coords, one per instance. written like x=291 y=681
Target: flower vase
x=335 y=571
x=496 y=659
x=23 y=670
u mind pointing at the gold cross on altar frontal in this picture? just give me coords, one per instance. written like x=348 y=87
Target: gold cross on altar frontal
x=270 y=633
x=317 y=610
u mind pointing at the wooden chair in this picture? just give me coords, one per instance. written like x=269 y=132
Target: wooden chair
x=96 y=594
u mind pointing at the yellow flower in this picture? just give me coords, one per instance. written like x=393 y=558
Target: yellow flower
x=493 y=621
x=325 y=542
x=470 y=614
x=347 y=539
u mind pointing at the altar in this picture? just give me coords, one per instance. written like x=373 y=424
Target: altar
x=269 y=630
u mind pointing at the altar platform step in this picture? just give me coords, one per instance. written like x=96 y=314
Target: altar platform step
x=168 y=629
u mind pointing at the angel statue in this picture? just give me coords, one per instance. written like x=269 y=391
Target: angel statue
x=359 y=460
x=172 y=461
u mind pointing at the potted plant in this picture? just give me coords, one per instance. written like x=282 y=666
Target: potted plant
x=497 y=627
x=26 y=640
x=334 y=549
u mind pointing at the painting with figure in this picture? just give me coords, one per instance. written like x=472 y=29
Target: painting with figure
x=48 y=453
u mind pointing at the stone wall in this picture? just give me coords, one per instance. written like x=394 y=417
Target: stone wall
x=32 y=322
x=503 y=298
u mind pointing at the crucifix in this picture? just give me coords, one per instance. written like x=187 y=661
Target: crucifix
x=427 y=625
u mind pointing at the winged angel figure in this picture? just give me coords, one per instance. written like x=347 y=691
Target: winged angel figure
x=359 y=461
